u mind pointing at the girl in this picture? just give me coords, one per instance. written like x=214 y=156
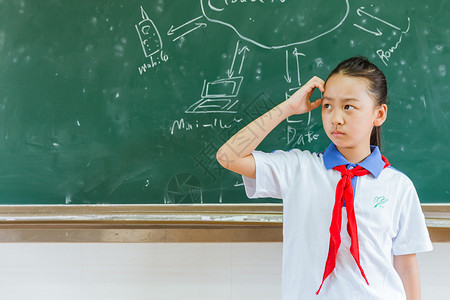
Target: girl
x=372 y=255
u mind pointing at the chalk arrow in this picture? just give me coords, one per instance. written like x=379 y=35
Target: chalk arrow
x=287 y=77
x=243 y=50
x=172 y=30
x=360 y=11
x=297 y=54
x=377 y=33
x=237 y=52
x=199 y=25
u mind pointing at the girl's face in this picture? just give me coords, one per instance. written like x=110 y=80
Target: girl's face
x=349 y=112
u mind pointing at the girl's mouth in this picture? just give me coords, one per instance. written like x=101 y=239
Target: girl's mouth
x=337 y=133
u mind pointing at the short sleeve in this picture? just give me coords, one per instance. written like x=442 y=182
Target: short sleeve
x=274 y=171
x=412 y=236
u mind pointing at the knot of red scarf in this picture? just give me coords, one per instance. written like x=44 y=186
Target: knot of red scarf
x=344 y=194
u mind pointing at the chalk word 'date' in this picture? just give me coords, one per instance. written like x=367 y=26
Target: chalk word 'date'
x=294 y=138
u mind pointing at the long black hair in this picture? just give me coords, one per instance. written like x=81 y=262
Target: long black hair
x=360 y=66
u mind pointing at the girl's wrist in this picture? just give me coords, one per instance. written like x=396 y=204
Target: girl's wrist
x=286 y=109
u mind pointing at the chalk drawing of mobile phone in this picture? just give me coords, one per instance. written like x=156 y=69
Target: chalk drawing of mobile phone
x=148 y=34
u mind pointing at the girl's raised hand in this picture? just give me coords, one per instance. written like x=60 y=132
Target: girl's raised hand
x=300 y=101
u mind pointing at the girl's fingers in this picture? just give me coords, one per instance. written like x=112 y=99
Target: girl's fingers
x=316 y=103
x=315 y=82
x=301 y=100
x=320 y=84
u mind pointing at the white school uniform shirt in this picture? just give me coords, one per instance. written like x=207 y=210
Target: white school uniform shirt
x=388 y=215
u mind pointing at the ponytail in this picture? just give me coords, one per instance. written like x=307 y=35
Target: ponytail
x=375 y=137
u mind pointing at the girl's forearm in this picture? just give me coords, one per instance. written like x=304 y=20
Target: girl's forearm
x=235 y=154
x=247 y=139
x=406 y=267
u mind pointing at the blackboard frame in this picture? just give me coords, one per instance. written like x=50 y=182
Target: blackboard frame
x=164 y=223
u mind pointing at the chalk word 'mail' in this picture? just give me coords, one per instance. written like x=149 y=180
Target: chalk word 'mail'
x=386 y=55
x=216 y=124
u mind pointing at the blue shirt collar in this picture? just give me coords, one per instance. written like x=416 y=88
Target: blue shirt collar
x=373 y=163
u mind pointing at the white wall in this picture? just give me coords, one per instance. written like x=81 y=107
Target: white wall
x=88 y=271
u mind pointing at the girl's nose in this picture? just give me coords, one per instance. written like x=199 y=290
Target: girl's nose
x=336 y=118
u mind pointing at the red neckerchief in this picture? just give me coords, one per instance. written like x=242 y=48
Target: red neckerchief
x=344 y=194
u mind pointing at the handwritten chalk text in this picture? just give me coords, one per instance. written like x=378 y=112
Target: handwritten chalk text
x=386 y=55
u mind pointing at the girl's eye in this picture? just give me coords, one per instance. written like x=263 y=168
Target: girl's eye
x=327 y=106
x=349 y=107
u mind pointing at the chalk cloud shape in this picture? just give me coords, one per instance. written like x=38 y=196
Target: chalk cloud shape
x=285 y=23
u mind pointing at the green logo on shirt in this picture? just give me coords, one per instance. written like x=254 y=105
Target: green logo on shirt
x=380 y=201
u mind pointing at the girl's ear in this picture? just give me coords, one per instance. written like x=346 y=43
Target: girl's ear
x=381 y=114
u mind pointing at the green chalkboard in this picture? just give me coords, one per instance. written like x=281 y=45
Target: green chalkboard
x=126 y=102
